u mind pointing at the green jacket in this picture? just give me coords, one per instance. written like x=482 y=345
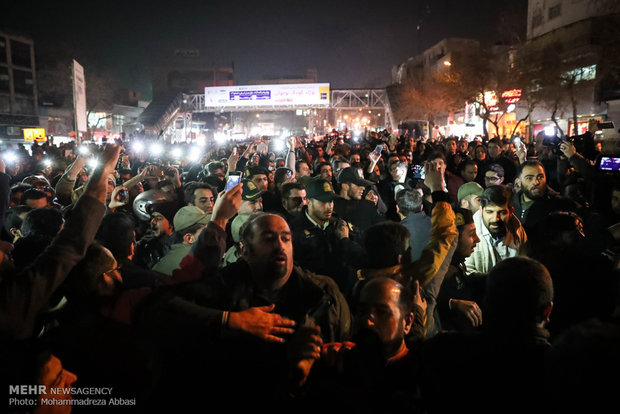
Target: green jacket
x=172 y=259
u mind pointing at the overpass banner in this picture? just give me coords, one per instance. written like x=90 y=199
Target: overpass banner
x=285 y=95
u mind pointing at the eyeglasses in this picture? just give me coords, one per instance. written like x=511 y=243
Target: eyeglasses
x=493 y=178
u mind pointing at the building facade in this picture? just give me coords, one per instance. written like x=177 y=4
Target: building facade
x=578 y=39
x=18 y=86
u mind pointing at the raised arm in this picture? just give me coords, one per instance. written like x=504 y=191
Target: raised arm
x=66 y=183
x=443 y=230
x=24 y=293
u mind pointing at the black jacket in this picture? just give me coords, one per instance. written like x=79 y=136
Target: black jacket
x=322 y=252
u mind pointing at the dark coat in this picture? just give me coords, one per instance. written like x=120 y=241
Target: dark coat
x=322 y=252
x=201 y=358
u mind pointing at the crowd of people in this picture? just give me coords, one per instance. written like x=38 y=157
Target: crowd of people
x=377 y=274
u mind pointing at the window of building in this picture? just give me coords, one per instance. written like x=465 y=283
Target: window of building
x=2 y=49
x=5 y=104
x=584 y=73
x=555 y=11
x=20 y=54
x=4 y=79
x=24 y=106
x=537 y=20
x=22 y=82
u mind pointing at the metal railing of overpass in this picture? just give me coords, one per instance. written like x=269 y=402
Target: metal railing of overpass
x=344 y=99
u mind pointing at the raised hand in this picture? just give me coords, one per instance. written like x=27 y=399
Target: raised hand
x=433 y=178
x=227 y=205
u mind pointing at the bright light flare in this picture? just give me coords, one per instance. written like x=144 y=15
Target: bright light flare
x=47 y=162
x=93 y=162
x=194 y=153
x=156 y=149
x=220 y=137
x=550 y=131
x=83 y=150
x=177 y=153
x=138 y=146
x=10 y=157
x=278 y=145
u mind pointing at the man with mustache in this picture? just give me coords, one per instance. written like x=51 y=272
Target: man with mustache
x=535 y=200
x=500 y=232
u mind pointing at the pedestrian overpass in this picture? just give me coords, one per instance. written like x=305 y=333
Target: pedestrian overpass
x=158 y=116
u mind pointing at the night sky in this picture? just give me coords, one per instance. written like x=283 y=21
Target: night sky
x=352 y=44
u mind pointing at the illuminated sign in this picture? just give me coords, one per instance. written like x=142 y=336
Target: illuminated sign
x=490 y=98
x=512 y=96
x=301 y=94
x=34 y=134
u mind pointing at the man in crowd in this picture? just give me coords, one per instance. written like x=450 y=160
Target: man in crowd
x=460 y=296
x=234 y=322
x=322 y=243
x=293 y=198
x=387 y=247
x=495 y=148
x=302 y=169
x=389 y=186
x=272 y=198
x=500 y=232
x=216 y=176
x=534 y=200
x=201 y=195
x=469 y=196
x=188 y=223
x=260 y=177
x=26 y=291
x=34 y=198
x=468 y=170
x=351 y=207
x=494 y=175
x=373 y=372
x=324 y=169
x=251 y=202
x=413 y=217
x=156 y=243
x=504 y=362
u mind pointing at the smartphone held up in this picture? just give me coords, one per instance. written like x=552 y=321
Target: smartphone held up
x=234 y=177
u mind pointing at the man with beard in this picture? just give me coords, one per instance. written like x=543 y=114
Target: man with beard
x=235 y=322
x=500 y=232
x=293 y=198
x=157 y=241
x=534 y=201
